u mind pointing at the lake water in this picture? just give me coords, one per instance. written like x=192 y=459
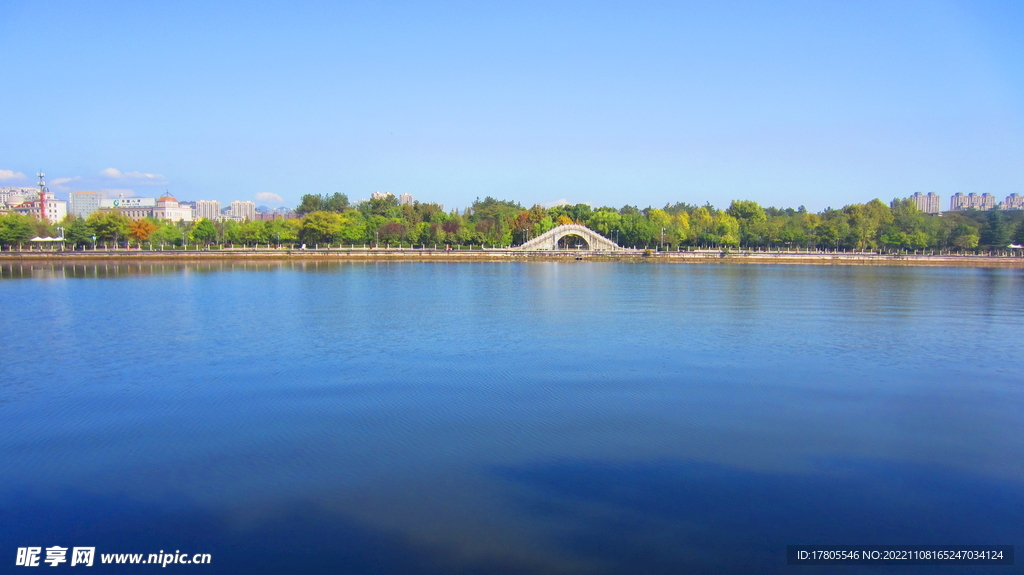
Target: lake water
x=509 y=417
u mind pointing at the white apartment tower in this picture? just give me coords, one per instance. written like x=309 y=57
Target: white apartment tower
x=243 y=210
x=928 y=204
x=1013 y=202
x=972 y=200
x=209 y=209
x=84 y=203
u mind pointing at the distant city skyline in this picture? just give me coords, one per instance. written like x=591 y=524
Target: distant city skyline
x=787 y=104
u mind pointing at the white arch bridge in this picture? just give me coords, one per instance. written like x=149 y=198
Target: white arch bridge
x=549 y=239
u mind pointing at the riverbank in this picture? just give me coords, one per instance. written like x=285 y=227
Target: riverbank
x=395 y=254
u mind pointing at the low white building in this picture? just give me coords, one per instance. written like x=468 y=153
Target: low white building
x=42 y=204
x=44 y=207
x=133 y=208
x=167 y=208
x=14 y=196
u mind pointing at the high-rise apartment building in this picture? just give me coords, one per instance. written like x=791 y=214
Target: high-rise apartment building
x=209 y=209
x=927 y=203
x=1013 y=202
x=380 y=195
x=243 y=210
x=972 y=200
x=82 y=204
x=405 y=199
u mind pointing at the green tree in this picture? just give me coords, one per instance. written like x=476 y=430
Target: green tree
x=320 y=228
x=280 y=230
x=727 y=229
x=15 y=229
x=417 y=232
x=637 y=231
x=353 y=228
x=309 y=203
x=169 y=233
x=906 y=217
x=746 y=210
x=752 y=220
x=253 y=232
x=337 y=202
x=231 y=232
x=1018 y=236
x=203 y=231
x=77 y=232
x=604 y=221
x=964 y=236
x=995 y=234
x=661 y=225
x=680 y=229
x=110 y=226
x=702 y=226
x=386 y=207
x=493 y=209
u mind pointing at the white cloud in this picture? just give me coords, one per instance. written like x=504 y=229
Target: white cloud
x=11 y=175
x=57 y=184
x=269 y=198
x=138 y=177
x=115 y=192
x=564 y=202
x=141 y=176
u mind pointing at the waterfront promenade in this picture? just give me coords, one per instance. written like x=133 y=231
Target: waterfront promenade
x=823 y=257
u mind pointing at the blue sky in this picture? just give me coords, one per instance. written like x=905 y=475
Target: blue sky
x=785 y=103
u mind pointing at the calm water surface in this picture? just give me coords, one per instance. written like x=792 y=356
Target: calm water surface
x=509 y=418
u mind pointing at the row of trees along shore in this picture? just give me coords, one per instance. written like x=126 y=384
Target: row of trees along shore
x=331 y=220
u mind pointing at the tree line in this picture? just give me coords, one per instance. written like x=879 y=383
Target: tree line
x=899 y=225
x=332 y=220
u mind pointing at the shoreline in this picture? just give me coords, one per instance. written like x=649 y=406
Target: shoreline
x=493 y=255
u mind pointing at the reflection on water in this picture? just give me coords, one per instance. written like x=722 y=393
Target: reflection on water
x=516 y=417
x=107 y=269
